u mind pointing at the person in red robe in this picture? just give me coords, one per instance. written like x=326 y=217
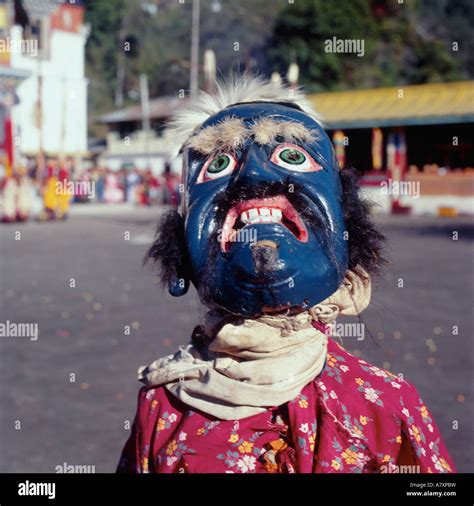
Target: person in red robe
x=279 y=244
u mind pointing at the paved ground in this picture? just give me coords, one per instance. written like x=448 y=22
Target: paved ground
x=81 y=422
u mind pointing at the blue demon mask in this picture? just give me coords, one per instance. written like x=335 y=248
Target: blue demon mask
x=267 y=224
x=264 y=226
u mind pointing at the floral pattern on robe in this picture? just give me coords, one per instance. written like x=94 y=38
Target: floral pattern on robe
x=352 y=418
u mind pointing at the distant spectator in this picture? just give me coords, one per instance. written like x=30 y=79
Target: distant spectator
x=100 y=185
x=113 y=193
x=171 y=187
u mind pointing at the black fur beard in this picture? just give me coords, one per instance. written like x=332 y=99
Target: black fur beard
x=168 y=251
x=365 y=242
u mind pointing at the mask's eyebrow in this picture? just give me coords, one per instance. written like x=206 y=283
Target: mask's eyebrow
x=266 y=131
x=228 y=134
x=231 y=133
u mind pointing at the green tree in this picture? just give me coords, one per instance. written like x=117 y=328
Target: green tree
x=104 y=19
x=405 y=43
x=301 y=31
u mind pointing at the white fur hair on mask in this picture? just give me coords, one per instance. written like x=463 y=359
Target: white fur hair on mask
x=234 y=90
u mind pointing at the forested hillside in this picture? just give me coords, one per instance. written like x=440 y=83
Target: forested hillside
x=409 y=42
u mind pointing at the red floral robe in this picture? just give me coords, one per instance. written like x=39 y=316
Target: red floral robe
x=353 y=418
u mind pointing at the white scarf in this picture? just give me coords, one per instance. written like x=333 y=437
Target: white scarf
x=256 y=363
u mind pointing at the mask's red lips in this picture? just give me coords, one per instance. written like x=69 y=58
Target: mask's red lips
x=259 y=211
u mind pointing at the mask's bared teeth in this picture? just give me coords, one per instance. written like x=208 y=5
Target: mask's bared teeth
x=253 y=213
x=244 y=217
x=276 y=213
x=268 y=210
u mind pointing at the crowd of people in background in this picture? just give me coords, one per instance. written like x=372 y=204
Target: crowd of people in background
x=130 y=184
x=32 y=192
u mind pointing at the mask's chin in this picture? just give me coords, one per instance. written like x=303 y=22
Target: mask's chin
x=254 y=301
x=271 y=273
x=266 y=257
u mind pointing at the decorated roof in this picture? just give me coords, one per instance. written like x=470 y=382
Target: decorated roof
x=421 y=104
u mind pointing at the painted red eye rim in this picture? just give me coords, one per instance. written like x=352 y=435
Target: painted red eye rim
x=204 y=178
x=313 y=165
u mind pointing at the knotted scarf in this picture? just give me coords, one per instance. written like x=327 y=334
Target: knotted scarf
x=253 y=364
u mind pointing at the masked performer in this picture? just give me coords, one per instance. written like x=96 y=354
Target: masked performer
x=277 y=243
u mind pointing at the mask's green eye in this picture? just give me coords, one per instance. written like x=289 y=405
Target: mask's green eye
x=292 y=156
x=295 y=158
x=219 y=164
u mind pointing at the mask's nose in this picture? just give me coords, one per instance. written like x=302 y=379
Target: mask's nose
x=255 y=168
x=265 y=257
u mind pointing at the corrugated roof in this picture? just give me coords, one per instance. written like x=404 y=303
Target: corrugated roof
x=421 y=104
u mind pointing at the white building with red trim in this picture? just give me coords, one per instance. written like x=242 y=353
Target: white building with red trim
x=45 y=41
